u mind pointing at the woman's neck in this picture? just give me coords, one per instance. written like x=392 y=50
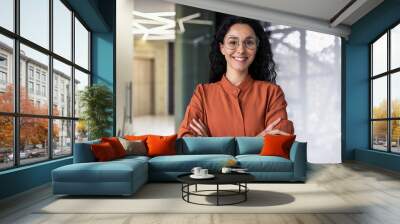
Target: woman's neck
x=236 y=77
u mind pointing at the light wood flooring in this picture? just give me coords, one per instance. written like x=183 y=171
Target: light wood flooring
x=378 y=188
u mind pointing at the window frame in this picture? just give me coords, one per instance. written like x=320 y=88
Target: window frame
x=388 y=74
x=16 y=114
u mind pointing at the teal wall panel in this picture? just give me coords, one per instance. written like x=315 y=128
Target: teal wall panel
x=356 y=91
x=377 y=158
x=103 y=58
x=24 y=178
x=103 y=62
x=357 y=99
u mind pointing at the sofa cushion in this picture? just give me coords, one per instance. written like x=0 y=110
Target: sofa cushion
x=83 y=152
x=277 y=145
x=185 y=163
x=257 y=163
x=249 y=145
x=206 y=145
x=134 y=147
x=116 y=145
x=103 y=152
x=161 y=145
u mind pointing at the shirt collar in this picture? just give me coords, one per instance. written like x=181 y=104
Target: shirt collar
x=230 y=88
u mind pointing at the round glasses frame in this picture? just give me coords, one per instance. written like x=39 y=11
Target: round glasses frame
x=243 y=43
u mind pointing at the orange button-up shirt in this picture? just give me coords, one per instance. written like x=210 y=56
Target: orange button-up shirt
x=243 y=110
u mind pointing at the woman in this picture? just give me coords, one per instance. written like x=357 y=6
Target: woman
x=241 y=98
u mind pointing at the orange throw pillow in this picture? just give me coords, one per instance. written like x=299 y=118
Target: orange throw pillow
x=103 y=151
x=116 y=145
x=277 y=145
x=136 y=137
x=161 y=145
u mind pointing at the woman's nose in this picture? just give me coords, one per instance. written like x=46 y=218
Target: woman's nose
x=240 y=48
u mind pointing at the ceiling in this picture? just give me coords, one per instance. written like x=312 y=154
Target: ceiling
x=319 y=9
x=326 y=16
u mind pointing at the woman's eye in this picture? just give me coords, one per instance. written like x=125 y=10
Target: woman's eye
x=250 y=43
x=232 y=42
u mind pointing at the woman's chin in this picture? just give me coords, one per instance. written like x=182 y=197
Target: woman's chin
x=240 y=68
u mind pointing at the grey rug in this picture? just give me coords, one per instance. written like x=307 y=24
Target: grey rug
x=166 y=198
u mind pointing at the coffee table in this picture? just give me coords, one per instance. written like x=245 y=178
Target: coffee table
x=238 y=179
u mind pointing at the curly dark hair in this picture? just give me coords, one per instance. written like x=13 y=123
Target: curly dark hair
x=263 y=66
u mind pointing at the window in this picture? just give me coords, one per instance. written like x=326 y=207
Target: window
x=62 y=29
x=3 y=61
x=7 y=142
x=30 y=72
x=3 y=72
x=54 y=126
x=37 y=75
x=62 y=74
x=81 y=45
x=34 y=21
x=7 y=73
x=385 y=94
x=81 y=81
x=7 y=14
x=62 y=130
x=30 y=87
x=43 y=90
x=38 y=89
x=3 y=78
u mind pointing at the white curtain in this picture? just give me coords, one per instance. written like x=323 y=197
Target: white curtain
x=309 y=72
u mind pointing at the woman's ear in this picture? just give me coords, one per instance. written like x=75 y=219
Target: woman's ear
x=221 y=48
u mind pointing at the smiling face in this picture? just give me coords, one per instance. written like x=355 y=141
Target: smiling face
x=239 y=48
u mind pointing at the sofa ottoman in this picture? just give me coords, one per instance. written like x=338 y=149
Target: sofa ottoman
x=118 y=177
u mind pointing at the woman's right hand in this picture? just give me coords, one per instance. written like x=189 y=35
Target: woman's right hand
x=199 y=128
x=271 y=131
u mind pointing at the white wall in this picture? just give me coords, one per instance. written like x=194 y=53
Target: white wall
x=309 y=71
x=124 y=58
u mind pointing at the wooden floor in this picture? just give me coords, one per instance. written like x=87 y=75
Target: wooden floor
x=378 y=188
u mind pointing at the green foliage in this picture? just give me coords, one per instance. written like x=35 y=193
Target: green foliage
x=96 y=102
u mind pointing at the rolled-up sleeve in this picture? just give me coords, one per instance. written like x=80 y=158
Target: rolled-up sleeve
x=277 y=109
x=194 y=110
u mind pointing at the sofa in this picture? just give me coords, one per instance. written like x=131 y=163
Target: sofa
x=126 y=175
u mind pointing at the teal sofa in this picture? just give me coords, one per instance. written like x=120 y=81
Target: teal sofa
x=125 y=176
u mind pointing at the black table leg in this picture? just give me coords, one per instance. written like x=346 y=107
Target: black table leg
x=245 y=193
x=217 y=194
x=188 y=189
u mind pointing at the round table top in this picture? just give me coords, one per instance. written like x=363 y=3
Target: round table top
x=220 y=178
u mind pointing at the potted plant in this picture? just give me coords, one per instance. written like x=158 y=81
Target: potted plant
x=96 y=103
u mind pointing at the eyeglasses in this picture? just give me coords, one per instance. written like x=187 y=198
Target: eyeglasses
x=233 y=42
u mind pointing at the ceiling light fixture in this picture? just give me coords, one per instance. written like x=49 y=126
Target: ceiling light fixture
x=160 y=25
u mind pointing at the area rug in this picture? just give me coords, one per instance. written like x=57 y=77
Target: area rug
x=166 y=198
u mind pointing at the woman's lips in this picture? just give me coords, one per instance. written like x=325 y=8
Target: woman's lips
x=240 y=59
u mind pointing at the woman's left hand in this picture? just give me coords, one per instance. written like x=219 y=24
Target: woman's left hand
x=199 y=128
x=271 y=131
